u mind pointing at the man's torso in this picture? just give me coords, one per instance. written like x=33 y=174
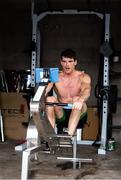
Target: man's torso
x=69 y=87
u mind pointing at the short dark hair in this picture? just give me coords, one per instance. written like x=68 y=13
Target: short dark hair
x=69 y=53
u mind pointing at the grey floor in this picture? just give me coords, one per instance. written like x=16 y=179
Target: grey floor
x=48 y=167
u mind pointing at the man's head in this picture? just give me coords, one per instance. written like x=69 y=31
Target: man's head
x=68 y=61
x=69 y=53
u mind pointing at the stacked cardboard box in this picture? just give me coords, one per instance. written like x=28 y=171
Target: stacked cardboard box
x=91 y=128
x=15 y=112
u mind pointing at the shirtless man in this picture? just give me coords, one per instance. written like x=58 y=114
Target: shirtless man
x=73 y=87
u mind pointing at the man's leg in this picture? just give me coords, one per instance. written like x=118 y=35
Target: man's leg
x=75 y=118
x=73 y=121
x=53 y=112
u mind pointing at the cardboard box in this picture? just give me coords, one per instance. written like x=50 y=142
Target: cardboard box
x=15 y=112
x=90 y=130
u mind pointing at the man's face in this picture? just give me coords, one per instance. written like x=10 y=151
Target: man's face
x=68 y=64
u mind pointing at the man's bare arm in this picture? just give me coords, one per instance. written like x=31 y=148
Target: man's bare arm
x=78 y=101
x=48 y=88
x=86 y=88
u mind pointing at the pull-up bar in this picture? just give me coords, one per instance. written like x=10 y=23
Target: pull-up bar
x=68 y=12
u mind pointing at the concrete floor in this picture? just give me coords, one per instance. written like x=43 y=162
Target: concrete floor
x=103 y=166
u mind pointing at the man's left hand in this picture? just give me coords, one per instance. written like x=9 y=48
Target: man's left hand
x=77 y=103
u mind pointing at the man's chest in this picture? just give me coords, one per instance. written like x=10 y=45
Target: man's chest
x=69 y=85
